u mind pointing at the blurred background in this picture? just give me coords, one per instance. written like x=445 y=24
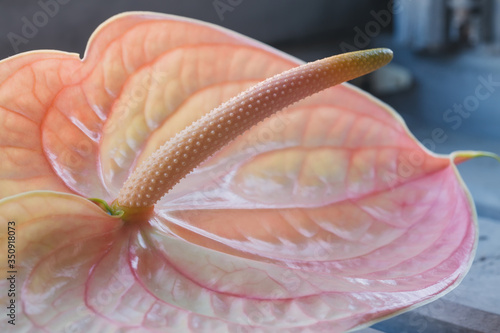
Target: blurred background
x=444 y=81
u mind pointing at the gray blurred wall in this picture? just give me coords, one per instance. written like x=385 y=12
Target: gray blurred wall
x=67 y=24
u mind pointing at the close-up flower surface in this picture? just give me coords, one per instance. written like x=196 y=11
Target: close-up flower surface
x=325 y=217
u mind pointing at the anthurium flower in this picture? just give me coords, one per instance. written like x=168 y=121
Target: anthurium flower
x=324 y=217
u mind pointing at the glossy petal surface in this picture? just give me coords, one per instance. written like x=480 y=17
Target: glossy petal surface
x=325 y=217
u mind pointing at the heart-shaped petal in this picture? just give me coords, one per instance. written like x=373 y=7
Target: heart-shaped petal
x=325 y=217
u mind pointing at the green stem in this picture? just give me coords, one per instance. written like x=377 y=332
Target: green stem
x=104 y=205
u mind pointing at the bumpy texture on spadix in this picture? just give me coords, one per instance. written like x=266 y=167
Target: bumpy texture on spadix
x=189 y=148
x=324 y=217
